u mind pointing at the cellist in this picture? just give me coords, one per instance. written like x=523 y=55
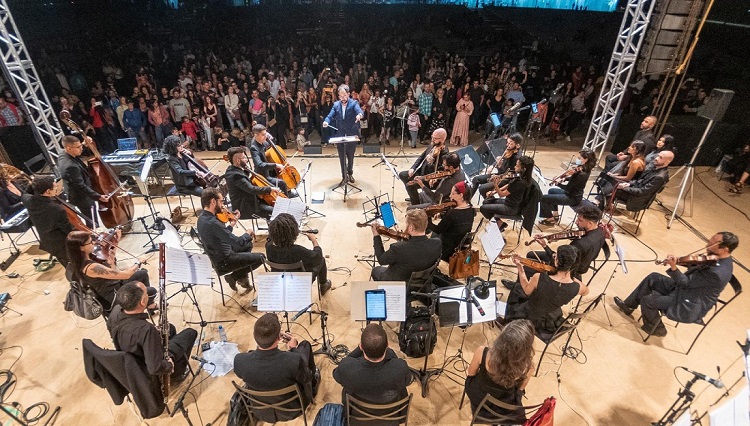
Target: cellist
x=182 y=175
x=48 y=216
x=243 y=193
x=268 y=170
x=76 y=176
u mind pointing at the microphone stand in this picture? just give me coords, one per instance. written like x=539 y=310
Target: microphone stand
x=684 y=397
x=179 y=405
x=326 y=348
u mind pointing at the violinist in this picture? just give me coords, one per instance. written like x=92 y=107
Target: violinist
x=503 y=163
x=431 y=160
x=104 y=277
x=456 y=222
x=231 y=255
x=243 y=193
x=684 y=296
x=182 y=176
x=569 y=188
x=404 y=257
x=48 y=216
x=511 y=191
x=268 y=170
x=442 y=187
x=540 y=297
x=76 y=176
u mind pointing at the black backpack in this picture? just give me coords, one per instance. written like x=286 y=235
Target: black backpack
x=330 y=415
x=412 y=337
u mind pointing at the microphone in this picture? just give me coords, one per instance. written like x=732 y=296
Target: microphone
x=716 y=382
x=201 y=360
x=515 y=107
x=299 y=314
x=482 y=290
x=476 y=303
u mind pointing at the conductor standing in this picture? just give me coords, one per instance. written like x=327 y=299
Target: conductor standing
x=344 y=119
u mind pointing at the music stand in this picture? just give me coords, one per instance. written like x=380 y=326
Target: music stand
x=308 y=211
x=401 y=151
x=345 y=187
x=371 y=212
x=391 y=168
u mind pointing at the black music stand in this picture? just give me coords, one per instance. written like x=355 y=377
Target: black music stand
x=344 y=187
x=371 y=211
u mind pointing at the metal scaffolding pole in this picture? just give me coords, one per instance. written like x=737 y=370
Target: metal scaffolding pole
x=24 y=80
x=624 y=56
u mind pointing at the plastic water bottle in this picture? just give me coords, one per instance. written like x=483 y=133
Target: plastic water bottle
x=222 y=334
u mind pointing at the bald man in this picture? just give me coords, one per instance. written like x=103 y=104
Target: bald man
x=645 y=134
x=426 y=163
x=344 y=118
x=637 y=193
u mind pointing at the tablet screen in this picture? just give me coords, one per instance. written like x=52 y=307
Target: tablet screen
x=375 y=305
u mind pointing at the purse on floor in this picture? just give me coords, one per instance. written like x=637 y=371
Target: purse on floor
x=464 y=263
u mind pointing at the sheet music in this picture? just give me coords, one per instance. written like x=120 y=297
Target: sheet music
x=500 y=308
x=293 y=206
x=222 y=355
x=492 y=241
x=620 y=255
x=457 y=292
x=297 y=290
x=170 y=236
x=187 y=267
x=283 y=291
x=270 y=287
x=395 y=302
x=734 y=412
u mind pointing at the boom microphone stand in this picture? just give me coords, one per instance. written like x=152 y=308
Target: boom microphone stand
x=179 y=405
x=187 y=288
x=326 y=349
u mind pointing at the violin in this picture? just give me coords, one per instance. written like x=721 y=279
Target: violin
x=289 y=174
x=532 y=264
x=566 y=175
x=436 y=175
x=226 y=216
x=387 y=232
x=510 y=176
x=693 y=260
x=439 y=208
x=568 y=235
x=510 y=152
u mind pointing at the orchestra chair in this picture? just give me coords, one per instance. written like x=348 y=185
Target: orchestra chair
x=493 y=405
x=291 y=267
x=360 y=413
x=566 y=329
x=529 y=211
x=174 y=192
x=702 y=322
x=32 y=165
x=420 y=281
x=596 y=268
x=637 y=214
x=272 y=406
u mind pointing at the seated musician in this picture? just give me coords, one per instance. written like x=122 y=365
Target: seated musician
x=427 y=162
x=437 y=190
x=182 y=175
x=540 y=297
x=10 y=196
x=456 y=222
x=684 y=297
x=267 y=169
x=503 y=163
x=503 y=369
x=230 y=254
x=103 y=276
x=132 y=332
x=511 y=191
x=404 y=257
x=569 y=189
x=280 y=248
x=243 y=193
x=48 y=216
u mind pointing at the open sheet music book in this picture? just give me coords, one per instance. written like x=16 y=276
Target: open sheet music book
x=293 y=206
x=283 y=291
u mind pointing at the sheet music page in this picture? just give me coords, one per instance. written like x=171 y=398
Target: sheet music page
x=734 y=411
x=492 y=241
x=489 y=306
x=270 y=287
x=293 y=206
x=222 y=355
x=395 y=301
x=187 y=267
x=297 y=290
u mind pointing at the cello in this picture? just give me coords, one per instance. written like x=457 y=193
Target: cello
x=258 y=180
x=209 y=180
x=288 y=173
x=118 y=209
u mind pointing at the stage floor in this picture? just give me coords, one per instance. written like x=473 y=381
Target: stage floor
x=615 y=379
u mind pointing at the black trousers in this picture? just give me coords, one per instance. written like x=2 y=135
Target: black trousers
x=180 y=346
x=655 y=293
x=412 y=190
x=239 y=265
x=346 y=158
x=480 y=183
x=279 y=183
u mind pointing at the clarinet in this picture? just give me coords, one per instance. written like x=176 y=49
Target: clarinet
x=163 y=321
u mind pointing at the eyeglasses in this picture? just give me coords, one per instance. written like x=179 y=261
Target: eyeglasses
x=88 y=243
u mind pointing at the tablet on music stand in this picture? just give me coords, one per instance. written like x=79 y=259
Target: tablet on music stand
x=386 y=214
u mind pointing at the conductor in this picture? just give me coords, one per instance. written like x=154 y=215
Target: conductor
x=344 y=119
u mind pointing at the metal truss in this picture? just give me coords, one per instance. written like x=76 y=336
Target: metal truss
x=624 y=56
x=24 y=80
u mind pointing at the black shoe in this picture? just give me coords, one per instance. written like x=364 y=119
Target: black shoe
x=180 y=378
x=509 y=284
x=659 y=331
x=408 y=200
x=325 y=287
x=627 y=310
x=351 y=179
x=245 y=282
x=232 y=282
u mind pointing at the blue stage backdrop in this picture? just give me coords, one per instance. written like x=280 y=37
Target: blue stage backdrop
x=590 y=5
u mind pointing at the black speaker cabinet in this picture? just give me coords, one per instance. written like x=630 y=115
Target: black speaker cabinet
x=717 y=104
x=313 y=148
x=370 y=148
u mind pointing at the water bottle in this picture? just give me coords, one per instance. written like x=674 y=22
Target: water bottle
x=222 y=334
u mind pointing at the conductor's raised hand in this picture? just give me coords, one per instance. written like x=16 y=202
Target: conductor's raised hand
x=325 y=124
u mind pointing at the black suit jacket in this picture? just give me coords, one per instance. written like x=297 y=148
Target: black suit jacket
x=378 y=383
x=51 y=222
x=77 y=180
x=421 y=167
x=644 y=188
x=243 y=193
x=219 y=240
x=698 y=289
x=588 y=247
x=181 y=175
x=405 y=257
x=258 y=154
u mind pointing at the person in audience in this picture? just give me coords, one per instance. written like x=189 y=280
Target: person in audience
x=268 y=368
x=683 y=296
x=10 y=196
x=283 y=231
x=569 y=188
x=645 y=135
x=416 y=253
x=456 y=222
x=664 y=143
x=183 y=176
x=464 y=109
x=636 y=194
x=48 y=216
x=503 y=370
x=372 y=372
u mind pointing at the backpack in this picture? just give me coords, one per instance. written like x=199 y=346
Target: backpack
x=412 y=336
x=330 y=415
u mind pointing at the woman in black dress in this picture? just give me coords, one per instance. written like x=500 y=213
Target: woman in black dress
x=456 y=222
x=439 y=111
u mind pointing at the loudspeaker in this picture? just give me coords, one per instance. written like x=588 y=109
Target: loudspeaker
x=491 y=149
x=370 y=148
x=314 y=149
x=717 y=104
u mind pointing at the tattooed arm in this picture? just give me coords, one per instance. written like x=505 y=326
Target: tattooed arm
x=96 y=270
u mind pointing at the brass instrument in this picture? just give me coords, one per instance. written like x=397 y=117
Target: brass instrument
x=163 y=321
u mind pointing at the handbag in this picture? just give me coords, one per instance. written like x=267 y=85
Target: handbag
x=272 y=122
x=463 y=263
x=302 y=116
x=545 y=415
x=82 y=302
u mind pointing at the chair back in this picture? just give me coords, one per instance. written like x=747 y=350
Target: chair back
x=493 y=406
x=363 y=413
x=286 y=267
x=272 y=406
x=570 y=323
x=421 y=281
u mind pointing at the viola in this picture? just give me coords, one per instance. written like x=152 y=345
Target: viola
x=436 y=175
x=565 y=175
x=568 y=235
x=693 y=260
x=387 y=232
x=439 y=208
x=226 y=216
x=532 y=264
x=288 y=173
x=509 y=153
x=104 y=245
x=209 y=180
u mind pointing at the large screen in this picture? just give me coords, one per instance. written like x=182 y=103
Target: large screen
x=590 y=5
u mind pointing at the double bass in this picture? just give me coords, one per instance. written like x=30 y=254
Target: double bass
x=118 y=210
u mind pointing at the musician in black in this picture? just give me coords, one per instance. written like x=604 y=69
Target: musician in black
x=569 y=189
x=75 y=174
x=243 y=193
x=438 y=190
x=456 y=222
x=511 y=191
x=48 y=216
x=268 y=170
x=183 y=176
x=230 y=254
x=133 y=333
x=503 y=163
x=428 y=162
x=404 y=257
